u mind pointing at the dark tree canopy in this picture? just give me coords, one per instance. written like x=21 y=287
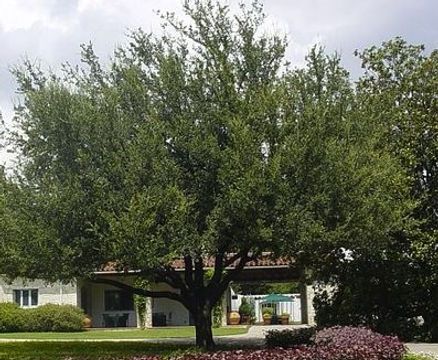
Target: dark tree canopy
x=395 y=290
x=201 y=142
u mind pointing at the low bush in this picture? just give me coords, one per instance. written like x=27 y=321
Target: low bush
x=58 y=318
x=12 y=318
x=360 y=343
x=290 y=337
x=267 y=311
x=50 y=317
x=245 y=308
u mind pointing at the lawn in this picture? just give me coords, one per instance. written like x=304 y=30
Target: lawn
x=47 y=350
x=165 y=332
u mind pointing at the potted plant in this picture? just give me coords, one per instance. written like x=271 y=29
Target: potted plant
x=267 y=315
x=284 y=318
x=245 y=311
x=87 y=321
x=233 y=318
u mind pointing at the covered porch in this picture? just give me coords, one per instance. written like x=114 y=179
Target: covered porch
x=111 y=307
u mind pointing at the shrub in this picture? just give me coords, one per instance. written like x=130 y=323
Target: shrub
x=349 y=336
x=12 y=317
x=48 y=317
x=245 y=308
x=267 y=311
x=290 y=337
x=360 y=343
x=51 y=317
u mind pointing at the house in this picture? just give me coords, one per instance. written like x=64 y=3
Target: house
x=109 y=306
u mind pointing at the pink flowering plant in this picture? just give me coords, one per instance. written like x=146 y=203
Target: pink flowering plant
x=335 y=343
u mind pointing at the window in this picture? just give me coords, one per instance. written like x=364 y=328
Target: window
x=26 y=297
x=116 y=300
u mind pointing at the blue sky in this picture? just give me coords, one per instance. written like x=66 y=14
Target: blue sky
x=51 y=30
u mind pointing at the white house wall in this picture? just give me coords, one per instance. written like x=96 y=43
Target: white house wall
x=176 y=313
x=98 y=304
x=55 y=293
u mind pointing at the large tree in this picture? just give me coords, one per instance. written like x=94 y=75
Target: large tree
x=391 y=290
x=197 y=144
x=399 y=91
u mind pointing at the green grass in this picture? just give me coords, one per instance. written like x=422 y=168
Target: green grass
x=415 y=356
x=83 y=350
x=51 y=346
x=165 y=332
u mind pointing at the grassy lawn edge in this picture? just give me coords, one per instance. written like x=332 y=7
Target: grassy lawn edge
x=118 y=334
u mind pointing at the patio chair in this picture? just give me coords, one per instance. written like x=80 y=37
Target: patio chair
x=108 y=321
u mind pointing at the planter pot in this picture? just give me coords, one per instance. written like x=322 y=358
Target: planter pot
x=267 y=319
x=86 y=323
x=233 y=318
x=245 y=319
x=284 y=319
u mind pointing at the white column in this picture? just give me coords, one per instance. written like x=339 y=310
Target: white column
x=307 y=309
x=148 y=313
x=146 y=317
x=224 y=304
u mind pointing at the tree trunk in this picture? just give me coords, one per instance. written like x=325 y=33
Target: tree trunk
x=203 y=324
x=431 y=323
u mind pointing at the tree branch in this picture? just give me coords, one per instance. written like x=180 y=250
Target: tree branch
x=172 y=278
x=139 y=291
x=218 y=268
x=188 y=270
x=235 y=257
x=218 y=289
x=199 y=272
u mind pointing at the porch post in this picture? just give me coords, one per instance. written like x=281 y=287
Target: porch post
x=148 y=313
x=224 y=304
x=307 y=309
x=146 y=317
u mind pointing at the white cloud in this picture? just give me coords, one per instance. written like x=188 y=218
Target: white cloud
x=23 y=15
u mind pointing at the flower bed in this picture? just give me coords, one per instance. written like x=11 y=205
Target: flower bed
x=337 y=343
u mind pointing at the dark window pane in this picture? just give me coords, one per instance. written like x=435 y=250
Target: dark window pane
x=127 y=301
x=116 y=300
x=34 y=297
x=17 y=297
x=25 y=297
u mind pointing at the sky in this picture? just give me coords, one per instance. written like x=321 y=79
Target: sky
x=50 y=31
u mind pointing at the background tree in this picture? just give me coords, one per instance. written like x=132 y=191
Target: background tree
x=391 y=289
x=198 y=144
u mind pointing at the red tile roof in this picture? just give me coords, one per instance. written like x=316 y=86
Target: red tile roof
x=266 y=260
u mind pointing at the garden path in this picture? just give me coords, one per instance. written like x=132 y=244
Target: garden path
x=423 y=348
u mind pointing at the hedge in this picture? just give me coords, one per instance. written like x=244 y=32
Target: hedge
x=50 y=317
x=290 y=337
x=11 y=318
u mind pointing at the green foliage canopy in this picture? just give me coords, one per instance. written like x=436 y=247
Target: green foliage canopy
x=198 y=143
